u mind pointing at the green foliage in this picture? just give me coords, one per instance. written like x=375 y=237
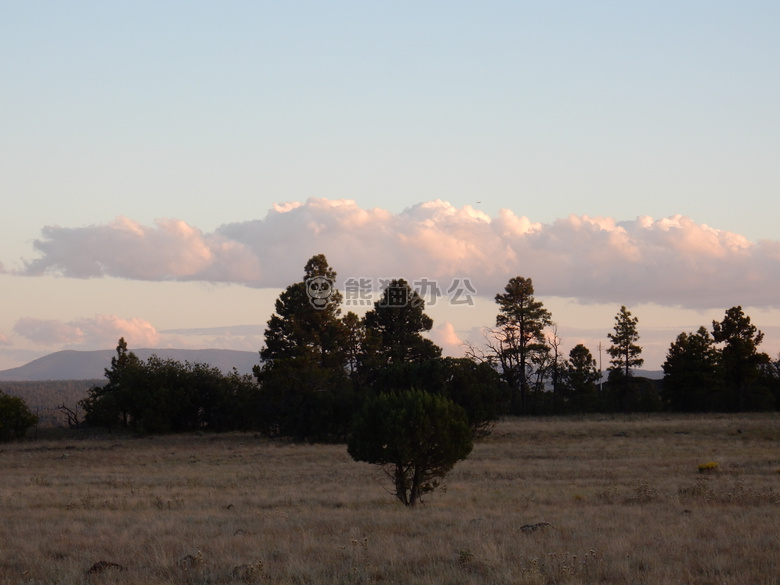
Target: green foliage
x=15 y=418
x=476 y=387
x=302 y=331
x=305 y=401
x=167 y=396
x=416 y=436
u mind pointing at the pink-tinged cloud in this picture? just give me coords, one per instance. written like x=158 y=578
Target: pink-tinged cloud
x=100 y=331
x=171 y=250
x=4 y=340
x=448 y=340
x=670 y=261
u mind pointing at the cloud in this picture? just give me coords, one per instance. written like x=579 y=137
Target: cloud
x=100 y=331
x=4 y=340
x=446 y=337
x=238 y=337
x=671 y=261
x=171 y=250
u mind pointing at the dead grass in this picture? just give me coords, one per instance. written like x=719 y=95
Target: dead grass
x=623 y=498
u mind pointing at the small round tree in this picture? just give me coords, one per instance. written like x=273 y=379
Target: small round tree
x=415 y=436
x=15 y=417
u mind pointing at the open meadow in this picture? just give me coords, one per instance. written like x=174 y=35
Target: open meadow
x=578 y=500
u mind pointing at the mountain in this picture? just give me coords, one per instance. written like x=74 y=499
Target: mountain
x=87 y=365
x=652 y=374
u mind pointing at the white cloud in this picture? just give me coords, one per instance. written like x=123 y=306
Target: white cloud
x=98 y=332
x=671 y=261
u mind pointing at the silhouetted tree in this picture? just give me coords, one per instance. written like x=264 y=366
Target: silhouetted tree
x=581 y=376
x=15 y=417
x=518 y=338
x=111 y=404
x=741 y=362
x=771 y=377
x=396 y=324
x=692 y=380
x=625 y=356
x=624 y=351
x=305 y=326
x=305 y=387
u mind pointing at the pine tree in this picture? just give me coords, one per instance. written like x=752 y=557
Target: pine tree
x=519 y=338
x=625 y=355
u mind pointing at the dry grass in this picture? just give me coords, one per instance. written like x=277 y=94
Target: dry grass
x=623 y=497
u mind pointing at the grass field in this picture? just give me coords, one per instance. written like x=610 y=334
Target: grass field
x=623 y=498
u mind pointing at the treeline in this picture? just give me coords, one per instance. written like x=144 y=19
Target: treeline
x=317 y=367
x=721 y=370
x=165 y=395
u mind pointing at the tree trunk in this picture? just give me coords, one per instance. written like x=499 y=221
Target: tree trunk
x=414 y=492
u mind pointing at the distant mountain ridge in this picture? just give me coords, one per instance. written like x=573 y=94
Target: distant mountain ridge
x=88 y=365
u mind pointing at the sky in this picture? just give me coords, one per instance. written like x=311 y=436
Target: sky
x=166 y=168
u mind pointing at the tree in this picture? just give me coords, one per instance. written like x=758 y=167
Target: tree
x=15 y=417
x=518 y=338
x=474 y=386
x=477 y=388
x=581 y=376
x=417 y=437
x=625 y=355
x=741 y=361
x=771 y=377
x=305 y=387
x=691 y=373
x=396 y=324
x=356 y=347
x=110 y=404
x=306 y=324
x=624 y=351
x=554 y=368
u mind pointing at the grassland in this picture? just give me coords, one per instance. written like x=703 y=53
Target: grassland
x=623 y=497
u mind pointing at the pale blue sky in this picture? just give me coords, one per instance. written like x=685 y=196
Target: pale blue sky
x=211 y=112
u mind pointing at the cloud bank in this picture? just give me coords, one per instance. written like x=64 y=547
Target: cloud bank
x=100 y=331
x=671 y=261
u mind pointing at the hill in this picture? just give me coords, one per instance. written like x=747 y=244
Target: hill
x=85 y=365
